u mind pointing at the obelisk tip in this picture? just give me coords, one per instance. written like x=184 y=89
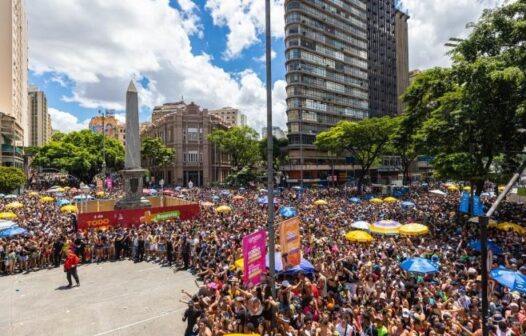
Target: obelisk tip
x=131 y=87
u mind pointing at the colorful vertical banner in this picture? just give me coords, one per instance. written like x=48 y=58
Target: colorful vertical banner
x=109 y=183
x=289 y=239
x=464 y=202
x=254 y=253
x=478 y=210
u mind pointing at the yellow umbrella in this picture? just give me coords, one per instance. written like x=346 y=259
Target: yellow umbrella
x=47 y=199
x=239 y=264
x=69 y=208
x=492 y=224
x=33 y=194
x=321 y=202
x=100 y=194
x=223 y=209
x=61 y=190
x=467 y=188
x=452 y=188
x=67 y=188
x=359 y=236
x=375 y=200
x=413 y=229
x=14 y=205
x=506 y=226
x=390 y=199
x=7 y=215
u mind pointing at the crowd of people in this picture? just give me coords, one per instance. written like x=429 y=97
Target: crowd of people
x=356 y=289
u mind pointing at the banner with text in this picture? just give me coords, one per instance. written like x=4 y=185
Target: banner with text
x=134 y=217
x=254 y=253
x=289 y=239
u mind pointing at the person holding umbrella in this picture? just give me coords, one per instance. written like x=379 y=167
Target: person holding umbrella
x=70 y=267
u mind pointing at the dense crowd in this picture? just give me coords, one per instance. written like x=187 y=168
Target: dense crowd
x=356 y=289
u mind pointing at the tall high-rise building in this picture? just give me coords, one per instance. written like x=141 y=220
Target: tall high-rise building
x=39 y=119
x=277 y=132
x=402 y=56
x=13 y=81
x=341 y=64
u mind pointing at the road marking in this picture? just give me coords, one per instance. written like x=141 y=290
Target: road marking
x=139 y=322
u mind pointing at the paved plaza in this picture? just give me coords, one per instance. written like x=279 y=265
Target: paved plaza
x=118 y=298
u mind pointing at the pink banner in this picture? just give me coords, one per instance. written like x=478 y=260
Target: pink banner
x=254 y=253
x=109 y=183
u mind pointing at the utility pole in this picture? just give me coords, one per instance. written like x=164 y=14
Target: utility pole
x=270 y=154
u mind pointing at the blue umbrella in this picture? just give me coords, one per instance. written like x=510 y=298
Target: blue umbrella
x=62 y=202
x=419 y=265
x=264 y=200
x=288 y=212
x=6 y=225
x=12 y=231
x=304 y=267
x=407 y=204
x=355 y=200
x=515 y=281
x=475 y=245
x=215 y=198
x=225 y=193
x=242 y=189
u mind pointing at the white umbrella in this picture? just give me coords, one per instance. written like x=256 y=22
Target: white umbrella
x=360 y=225
x=6 y=224
x=438 y=192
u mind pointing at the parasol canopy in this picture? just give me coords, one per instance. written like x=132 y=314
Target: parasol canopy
x=386 y=227
x=223 y=209
x=8 y=215
x=361 y=225
x=413 y=229
x=419 y=265
x=14 y=205
x=359 y=236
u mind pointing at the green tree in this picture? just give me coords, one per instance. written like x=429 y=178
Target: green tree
x=240 y=143
x=80 y=154
x=155 y=155
x=278 y=151
x=11 y=178
x=474 y=111
x=365 y=140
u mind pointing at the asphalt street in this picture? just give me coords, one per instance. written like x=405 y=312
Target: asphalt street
x=115 y=298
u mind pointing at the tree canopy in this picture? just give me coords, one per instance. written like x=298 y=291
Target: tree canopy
x=365 y=140
x=470 y=114
x=79 y=153
x=11 y=178
x=155 y=154
x=240 y=143
x=278 y=150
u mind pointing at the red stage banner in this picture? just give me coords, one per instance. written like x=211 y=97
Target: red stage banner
x=135 y=217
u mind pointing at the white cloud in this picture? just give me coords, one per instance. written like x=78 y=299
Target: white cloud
x=190 y=17
x=65 y=121
x=433 y=22
x=135 y=39
x=245 y=20
x=263 y=57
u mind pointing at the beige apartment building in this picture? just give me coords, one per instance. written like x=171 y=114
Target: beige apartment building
x=185 y=127
x=231 y=116
x=39 y=119
x=13 y=81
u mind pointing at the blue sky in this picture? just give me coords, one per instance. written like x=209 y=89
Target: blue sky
x=83 y=54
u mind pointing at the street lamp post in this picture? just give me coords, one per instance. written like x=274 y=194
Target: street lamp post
x=270 y=146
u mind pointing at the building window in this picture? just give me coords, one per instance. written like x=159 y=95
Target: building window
x=191 y=156
x=192 y=134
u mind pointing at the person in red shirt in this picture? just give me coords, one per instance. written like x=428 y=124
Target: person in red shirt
x=70 y=267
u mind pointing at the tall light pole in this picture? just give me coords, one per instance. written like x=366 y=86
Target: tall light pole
x=270 y=147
